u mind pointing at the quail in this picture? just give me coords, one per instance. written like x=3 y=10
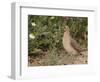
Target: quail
x=71 y=45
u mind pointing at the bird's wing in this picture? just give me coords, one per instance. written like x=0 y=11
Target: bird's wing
x=75 y=45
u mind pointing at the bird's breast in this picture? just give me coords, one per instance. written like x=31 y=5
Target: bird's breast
x=67 y=44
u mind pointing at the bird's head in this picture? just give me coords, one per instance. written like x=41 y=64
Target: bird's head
x=66 y=29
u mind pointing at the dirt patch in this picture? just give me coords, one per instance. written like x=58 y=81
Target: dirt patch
x=62 y=58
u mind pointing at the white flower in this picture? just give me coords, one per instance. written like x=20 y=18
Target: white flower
x=31 y=36
x=33 y=24
x=52 y=17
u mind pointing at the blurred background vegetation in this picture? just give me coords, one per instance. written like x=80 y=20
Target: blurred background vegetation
x=45 y=33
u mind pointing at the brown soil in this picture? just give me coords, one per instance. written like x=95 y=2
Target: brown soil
x=63 y=58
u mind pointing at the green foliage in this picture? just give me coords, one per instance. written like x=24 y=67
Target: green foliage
x=46 y=32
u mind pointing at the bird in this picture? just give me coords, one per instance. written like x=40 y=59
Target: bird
x=70 y=45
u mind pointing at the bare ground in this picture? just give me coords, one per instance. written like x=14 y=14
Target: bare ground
x=63 y=58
